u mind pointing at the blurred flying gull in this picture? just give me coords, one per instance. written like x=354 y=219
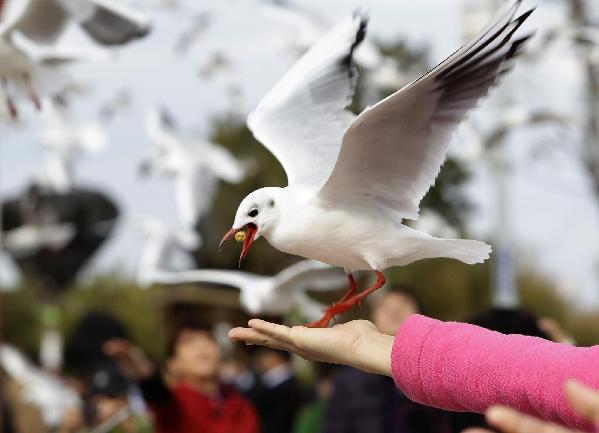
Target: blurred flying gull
x=163 y=245
x=352 y=180
x=29 y=34
x=65 y=142
x=29 y=238
x=475 y=142
x=52 y=396
x=196 y=164
x=266 y=295
x=189 y=36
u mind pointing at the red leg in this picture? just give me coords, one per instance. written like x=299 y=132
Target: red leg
x=351 y=290
x=32 y=93
x=347 y=302
x=10 y=105
x=12 y=108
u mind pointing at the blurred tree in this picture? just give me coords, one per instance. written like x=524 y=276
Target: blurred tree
x=582 y=28
x=20 y=312
x=581 y=16
x=447 y=290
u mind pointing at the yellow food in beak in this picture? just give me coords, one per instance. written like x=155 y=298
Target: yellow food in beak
x=240 y=236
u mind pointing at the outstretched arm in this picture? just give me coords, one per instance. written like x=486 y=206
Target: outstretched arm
x=453 y=366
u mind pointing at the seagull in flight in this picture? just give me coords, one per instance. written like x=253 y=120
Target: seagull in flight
x=266 y=295
x=163 y=245
x=352 y=180
x=44 y=390
x=66 y=141
x=28 y=35
x=196 y=164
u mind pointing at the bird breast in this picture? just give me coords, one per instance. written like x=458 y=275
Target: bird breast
x=334 y=236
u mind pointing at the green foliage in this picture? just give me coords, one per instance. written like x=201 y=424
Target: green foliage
x=447 y=289
x=21 y=313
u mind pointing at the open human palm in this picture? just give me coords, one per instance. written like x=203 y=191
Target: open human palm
x=357 y=343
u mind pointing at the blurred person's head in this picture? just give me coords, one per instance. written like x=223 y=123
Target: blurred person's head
x=193 y=352
x=107 y=392
x=265 y=359
x=392 y=307
x=510 y=321
x=324 y=379
x=85 y=348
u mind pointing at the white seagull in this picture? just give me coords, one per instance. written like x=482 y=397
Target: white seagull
x=28 y=50
x=163 y=246
x=266 y=295
x=40 y=388
x=65 y=142
x=352 y=180
x=196 y=164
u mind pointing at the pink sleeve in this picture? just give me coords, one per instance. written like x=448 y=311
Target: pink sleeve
x=462 y=367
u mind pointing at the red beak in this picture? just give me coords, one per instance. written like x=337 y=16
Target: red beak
x=250 y=235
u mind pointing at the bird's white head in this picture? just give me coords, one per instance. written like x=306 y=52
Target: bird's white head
x=257 y=215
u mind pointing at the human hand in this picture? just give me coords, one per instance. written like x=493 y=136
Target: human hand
x=358 y=343
x=582 y=399
x=72 y=421
x=131 y=360
x=554 y=330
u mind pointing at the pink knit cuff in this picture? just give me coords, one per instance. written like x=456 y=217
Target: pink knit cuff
x=405 y=355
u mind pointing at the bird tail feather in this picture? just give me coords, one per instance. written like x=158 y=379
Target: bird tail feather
x=466 y=250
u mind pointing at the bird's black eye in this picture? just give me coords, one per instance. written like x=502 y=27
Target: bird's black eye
x=253 y=212
x=271 y=203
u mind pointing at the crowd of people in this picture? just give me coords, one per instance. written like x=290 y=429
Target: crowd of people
x=264 y=389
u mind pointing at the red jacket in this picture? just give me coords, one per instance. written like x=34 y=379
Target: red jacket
x=182 y=409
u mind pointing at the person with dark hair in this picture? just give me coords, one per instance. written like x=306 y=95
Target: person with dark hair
x=368 y=403
x=274 y=391
x=510 y=321
x=84 y=350
x=188 y=397
x=106 y=402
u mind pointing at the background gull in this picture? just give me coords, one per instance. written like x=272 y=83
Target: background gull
x=266 y=295
x=29 y=34
x=196 y=165
x=164 y=249
x=65 y=141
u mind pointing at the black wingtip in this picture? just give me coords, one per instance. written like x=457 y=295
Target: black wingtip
x=362 y=15
x=525 y=15
x=347 y=61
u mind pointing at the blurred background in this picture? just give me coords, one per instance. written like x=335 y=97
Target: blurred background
x=135 y=163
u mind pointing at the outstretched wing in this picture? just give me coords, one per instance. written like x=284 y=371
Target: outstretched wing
x=41 y=21
x=392 y=153
x=108 y=22
x=310 y=274
x=302 y=119
x=222 y=162
x=194 y=193
x=237 y=279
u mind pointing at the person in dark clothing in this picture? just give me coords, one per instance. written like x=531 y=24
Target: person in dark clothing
x=368 y=403
x=189 y=397
x=275 y=391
